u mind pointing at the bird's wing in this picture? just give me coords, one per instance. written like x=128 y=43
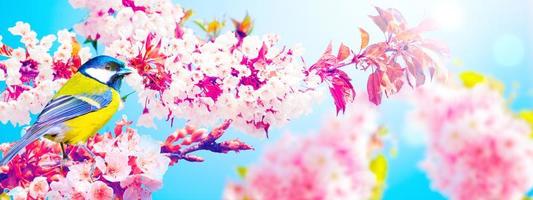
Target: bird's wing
x=57 y=111
x=67 y=107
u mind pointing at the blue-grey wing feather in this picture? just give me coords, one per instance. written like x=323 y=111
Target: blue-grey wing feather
x=68 y=107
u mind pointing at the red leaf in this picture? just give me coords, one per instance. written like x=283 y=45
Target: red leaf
x=344 y=52
x=373 y=87
x=341 y=90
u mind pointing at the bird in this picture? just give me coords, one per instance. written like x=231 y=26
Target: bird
x=81 y=107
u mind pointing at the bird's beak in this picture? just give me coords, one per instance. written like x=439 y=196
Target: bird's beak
x=125 y=71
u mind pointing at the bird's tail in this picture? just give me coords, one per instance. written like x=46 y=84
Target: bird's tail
x=31 y=135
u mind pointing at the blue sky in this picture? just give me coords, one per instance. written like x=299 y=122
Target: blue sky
x=491 y=36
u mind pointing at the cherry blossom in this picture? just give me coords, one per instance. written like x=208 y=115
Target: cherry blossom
x=127 y=165
x=228 y=78
x=38 y=187
x=32 y=74
x=335 y=165
x=477 y=148
x=249 y=79
x=99 y=190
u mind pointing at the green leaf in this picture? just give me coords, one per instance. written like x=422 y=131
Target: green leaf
x=200 y=24
x=126 y=96
x=94 y=43
x=242 y=171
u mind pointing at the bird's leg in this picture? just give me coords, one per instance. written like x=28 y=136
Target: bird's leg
x=93 y=156
x=64 y=155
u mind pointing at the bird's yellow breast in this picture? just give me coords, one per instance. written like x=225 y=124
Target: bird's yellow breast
x=81 y=128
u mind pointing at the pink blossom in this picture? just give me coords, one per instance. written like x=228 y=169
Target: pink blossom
x=62 y=189
x=115 y=169
x=38 y=187
x=126 y=165
x=335 y=164
x=250 y=82
x=79 y=172
x=477 y=148
x=139 y=187
x=100 y=190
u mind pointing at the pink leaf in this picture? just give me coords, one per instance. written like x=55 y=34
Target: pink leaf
x=326 y=60
x=341 y=90
x=415 y=69
x=131 y=4
x=262 y=52
x=376 y=50
x=329 y=49
x=178 y=31
x=395 y=75
x=382 y=24
x=344 y=52
x=373 y=87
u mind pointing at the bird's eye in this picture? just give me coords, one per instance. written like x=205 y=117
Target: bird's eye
x=111 y=66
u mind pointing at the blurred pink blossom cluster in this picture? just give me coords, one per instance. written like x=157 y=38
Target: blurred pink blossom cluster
x=333 y=164
x=127 y=165
x=32 y=74
x=476 y=147
x=251 y=80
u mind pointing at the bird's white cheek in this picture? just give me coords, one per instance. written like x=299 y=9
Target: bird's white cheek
x=101 y=75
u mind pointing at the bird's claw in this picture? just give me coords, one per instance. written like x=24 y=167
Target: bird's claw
x=91 y=172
